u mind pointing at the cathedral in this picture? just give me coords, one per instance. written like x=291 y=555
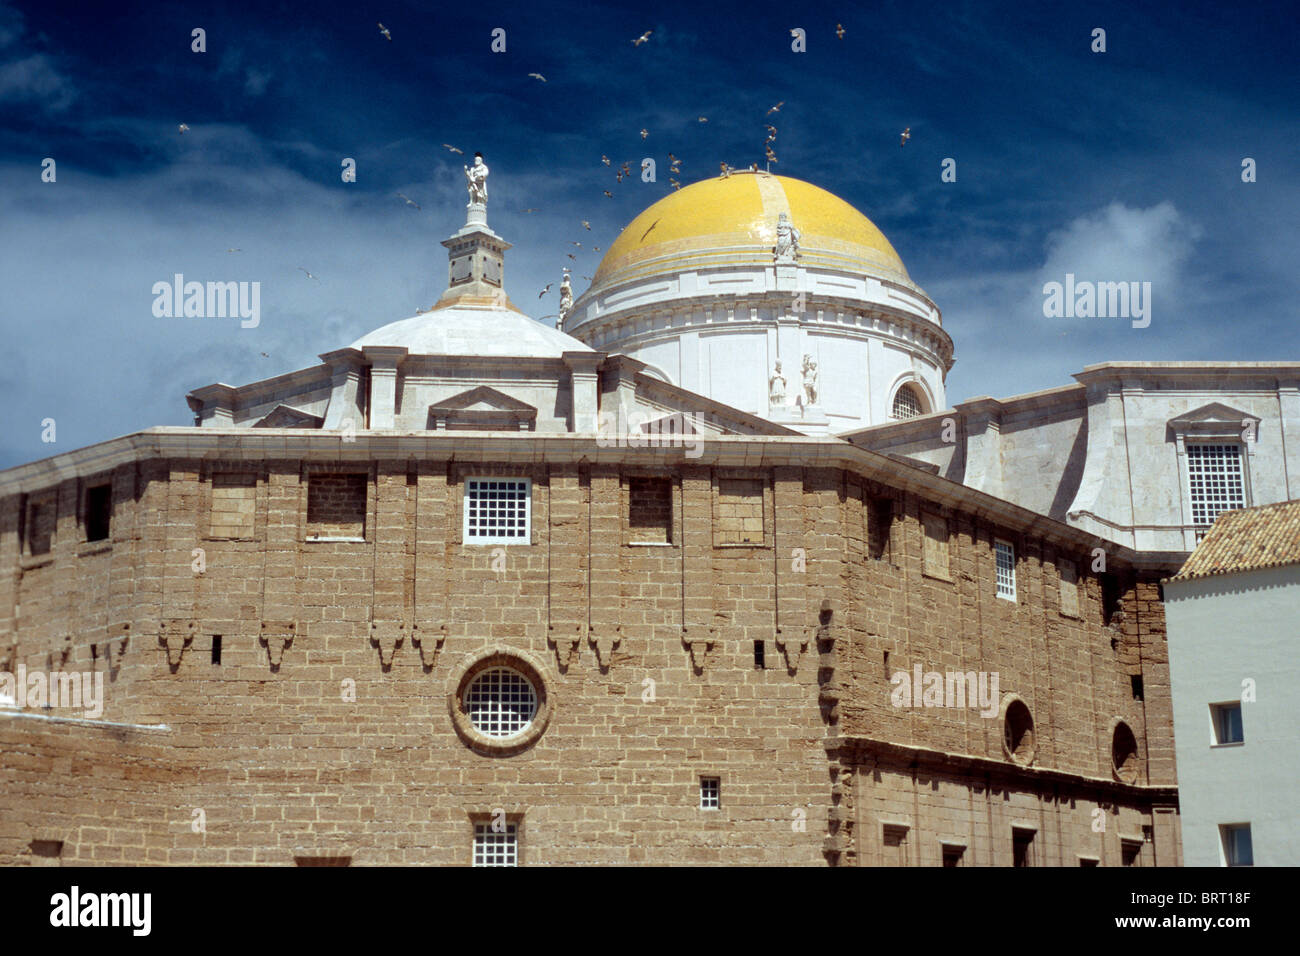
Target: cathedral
x=711 y=572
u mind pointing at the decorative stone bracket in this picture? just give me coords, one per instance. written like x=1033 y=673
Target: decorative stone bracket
x=430 y=637
x=699 y=646
x=176 y=635
x=566 y=639
x=794 y=646
x=387 y=636
x=277 y=635
x=604 y=642
x=119 y=636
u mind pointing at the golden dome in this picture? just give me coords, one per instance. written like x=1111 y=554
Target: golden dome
x=719 y=223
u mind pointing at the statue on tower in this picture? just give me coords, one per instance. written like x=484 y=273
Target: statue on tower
x=566 y=300
x=810 y=393
x=776 y=387
x=476 y=180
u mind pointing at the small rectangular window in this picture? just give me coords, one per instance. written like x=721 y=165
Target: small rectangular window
x=649 y=510
x=936 y=544
x=952 y=854
x=234 y=505
x=216 y=648
x=498 y=511
x=1130 y=852
x=1112 y=598
x=99 y=512
x=496 y=844
x=893 y=838
x=1089 y=861
x=40 y=527
x=710 y=793
x=1022 y=847
x=1226 y=719
x=760 y=655
x=1215 y=482
x=1237 y=849
x=1135 y=685
x=1005 y=554
x=880 y=528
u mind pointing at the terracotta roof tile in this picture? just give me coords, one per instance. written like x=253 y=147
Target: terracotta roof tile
x=1247 y=540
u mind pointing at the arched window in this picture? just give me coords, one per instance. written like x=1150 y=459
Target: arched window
x=907 y=403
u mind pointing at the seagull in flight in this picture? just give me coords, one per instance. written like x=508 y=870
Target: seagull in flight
x=776 y=109
x=645 y=133
x=572 y=243
x=905 y=136
x=538 y=76
x=234 y=250
x=674 y=183
x=771 y=133
x=309 y=275
x=409 y=201
x=604 y=159
x=839 y=30
x=529 y=209
x=586 y=225
x=546 y=290
x=384 y=30
x=453 y=148
x=264 y=355
x=609 y=194
x=642 y=38
x=702 y=119
x=572 y=256
x=183 y=128
x=595 y=248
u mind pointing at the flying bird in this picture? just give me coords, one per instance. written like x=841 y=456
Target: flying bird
x=453 y=148
x=794 y=33
x=702 y=119
x=588 y=278
x=674 y=183
x=586 y=225
x=642 y=38
x=538 y=76
x=546 y=290
x=264 y=355
x=726 y=170
x=529 y=209
x=645 y=133
x=309 y=275
x=905 y=136
x=384 y=30
x=604 y=159
x=595 y=248
x=572 y=243
x=771 y=156
x=408 y=200
x=572 y=256
x=182 y=128
x=839 y=30
x=609 y=194
x=776 y=109
x=234 y=250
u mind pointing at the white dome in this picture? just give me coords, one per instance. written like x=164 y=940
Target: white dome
x=475 y=332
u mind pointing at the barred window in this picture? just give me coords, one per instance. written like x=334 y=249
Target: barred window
x=906 y=403
x=1216 y=483
x=501 y=702
x=710 y=793
x=1005 y=553
x=499 y=847
x=497 y=510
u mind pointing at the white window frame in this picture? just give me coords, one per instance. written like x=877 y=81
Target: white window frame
x=715 y=785
x=1215 y=709
x=1005 y=589
x=497 y=714
x=525 y=538
x=486 y=840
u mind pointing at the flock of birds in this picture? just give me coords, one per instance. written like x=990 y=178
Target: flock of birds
x=624 y=170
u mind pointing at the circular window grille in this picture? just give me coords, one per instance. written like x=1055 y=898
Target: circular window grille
x=906 y=404
x=501 y=703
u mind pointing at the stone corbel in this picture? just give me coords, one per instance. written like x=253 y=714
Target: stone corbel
x=604 y=642
x=566 y=641
x=277 y=635
x=430 y=637
x=176 y=635
x=114 y=649
x=387 y=636
x=699 y=645
x=793 y=646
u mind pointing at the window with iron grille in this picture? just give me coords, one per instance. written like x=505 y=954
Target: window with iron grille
x=906 y=403
x=498 y=510
x=497 y=846
x=1216 y=483
x=1005 y=553
x=501 y=702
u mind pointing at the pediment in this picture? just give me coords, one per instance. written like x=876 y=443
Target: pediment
x=286 y=416
x=481 y=399
x=1215 y=418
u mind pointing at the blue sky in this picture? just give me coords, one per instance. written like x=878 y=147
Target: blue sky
x=1124 y=165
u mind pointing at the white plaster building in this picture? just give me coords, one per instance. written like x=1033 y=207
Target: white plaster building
x=1233 y=628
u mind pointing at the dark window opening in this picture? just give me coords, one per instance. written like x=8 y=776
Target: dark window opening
x=99 y=512
x=880 y=530
x=1110 y=598
x=1022 y=846
x=760 y=655
x=1135 y=683
x=952 y=854
x=216 y=648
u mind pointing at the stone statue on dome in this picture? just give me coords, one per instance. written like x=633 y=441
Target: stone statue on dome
x=787 y=239
x=776 y=387
x=810 y=395
x=566 y=301
x=476 y=180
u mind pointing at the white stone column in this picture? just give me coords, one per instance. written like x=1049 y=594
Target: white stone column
x=383 y=384
x=586 y=406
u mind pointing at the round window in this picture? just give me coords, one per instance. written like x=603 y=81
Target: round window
x=501 y=703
